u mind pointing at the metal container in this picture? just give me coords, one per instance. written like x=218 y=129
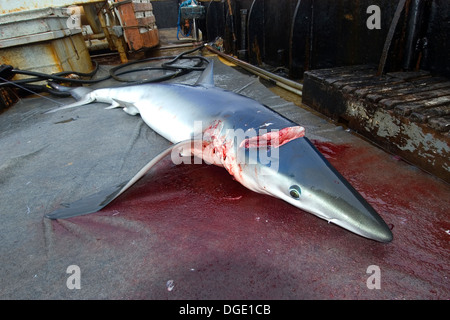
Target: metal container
x=43 y=40
x=139 y=23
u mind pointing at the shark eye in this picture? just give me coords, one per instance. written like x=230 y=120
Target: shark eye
x=295 y=192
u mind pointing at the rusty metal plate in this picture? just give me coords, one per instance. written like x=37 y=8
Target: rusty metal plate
x=407 y=114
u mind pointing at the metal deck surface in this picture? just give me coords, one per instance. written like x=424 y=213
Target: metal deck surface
x=191 y=231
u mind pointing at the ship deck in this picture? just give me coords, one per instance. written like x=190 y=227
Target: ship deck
x=191 y=231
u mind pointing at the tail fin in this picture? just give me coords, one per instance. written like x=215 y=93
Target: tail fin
x=78 y=92
x=81 y=94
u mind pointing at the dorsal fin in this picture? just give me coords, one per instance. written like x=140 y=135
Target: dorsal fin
x=206 y=79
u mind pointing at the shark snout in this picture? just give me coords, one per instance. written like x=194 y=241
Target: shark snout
x=345 y=208
x=310 y=183
x=383 y=235
x=367 y=224
x=352 y=212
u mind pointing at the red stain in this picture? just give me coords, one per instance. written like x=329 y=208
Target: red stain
x=241 y=244
x=217 y=149
x=414 y=204
x=330 y=150
x=274 y=139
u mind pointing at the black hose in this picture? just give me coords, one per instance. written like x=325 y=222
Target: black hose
x=178 y=70
x=57 y=77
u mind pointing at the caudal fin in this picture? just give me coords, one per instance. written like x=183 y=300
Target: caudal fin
x=86 y=100
x=81 y=94
x=78 y=92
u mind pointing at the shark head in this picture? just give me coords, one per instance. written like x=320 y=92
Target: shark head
x=299 y=174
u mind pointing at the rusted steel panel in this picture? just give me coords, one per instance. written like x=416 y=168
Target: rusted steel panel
x=41 y=40
x=407 y=114
x=139 y=24
x=426 y=115
x=7 y=95
x=440 y=124
x=14 y=6
x=63 y=54
x=145 y=21
x=139 y=6
x=406 y=109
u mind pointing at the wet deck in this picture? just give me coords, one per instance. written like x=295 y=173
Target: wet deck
x=191 y=231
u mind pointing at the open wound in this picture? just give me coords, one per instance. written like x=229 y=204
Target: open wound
x=274 y=139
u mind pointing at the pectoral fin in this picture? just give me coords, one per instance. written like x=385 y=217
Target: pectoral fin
x=99 y=200
x=89 y=204
x=128 y=107
x=113 y=105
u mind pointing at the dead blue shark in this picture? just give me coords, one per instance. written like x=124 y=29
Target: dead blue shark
x=261 y=149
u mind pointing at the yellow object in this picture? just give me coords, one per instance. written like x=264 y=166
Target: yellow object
x=226 y=62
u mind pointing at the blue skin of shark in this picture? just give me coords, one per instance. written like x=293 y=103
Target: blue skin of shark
x=302 y=176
